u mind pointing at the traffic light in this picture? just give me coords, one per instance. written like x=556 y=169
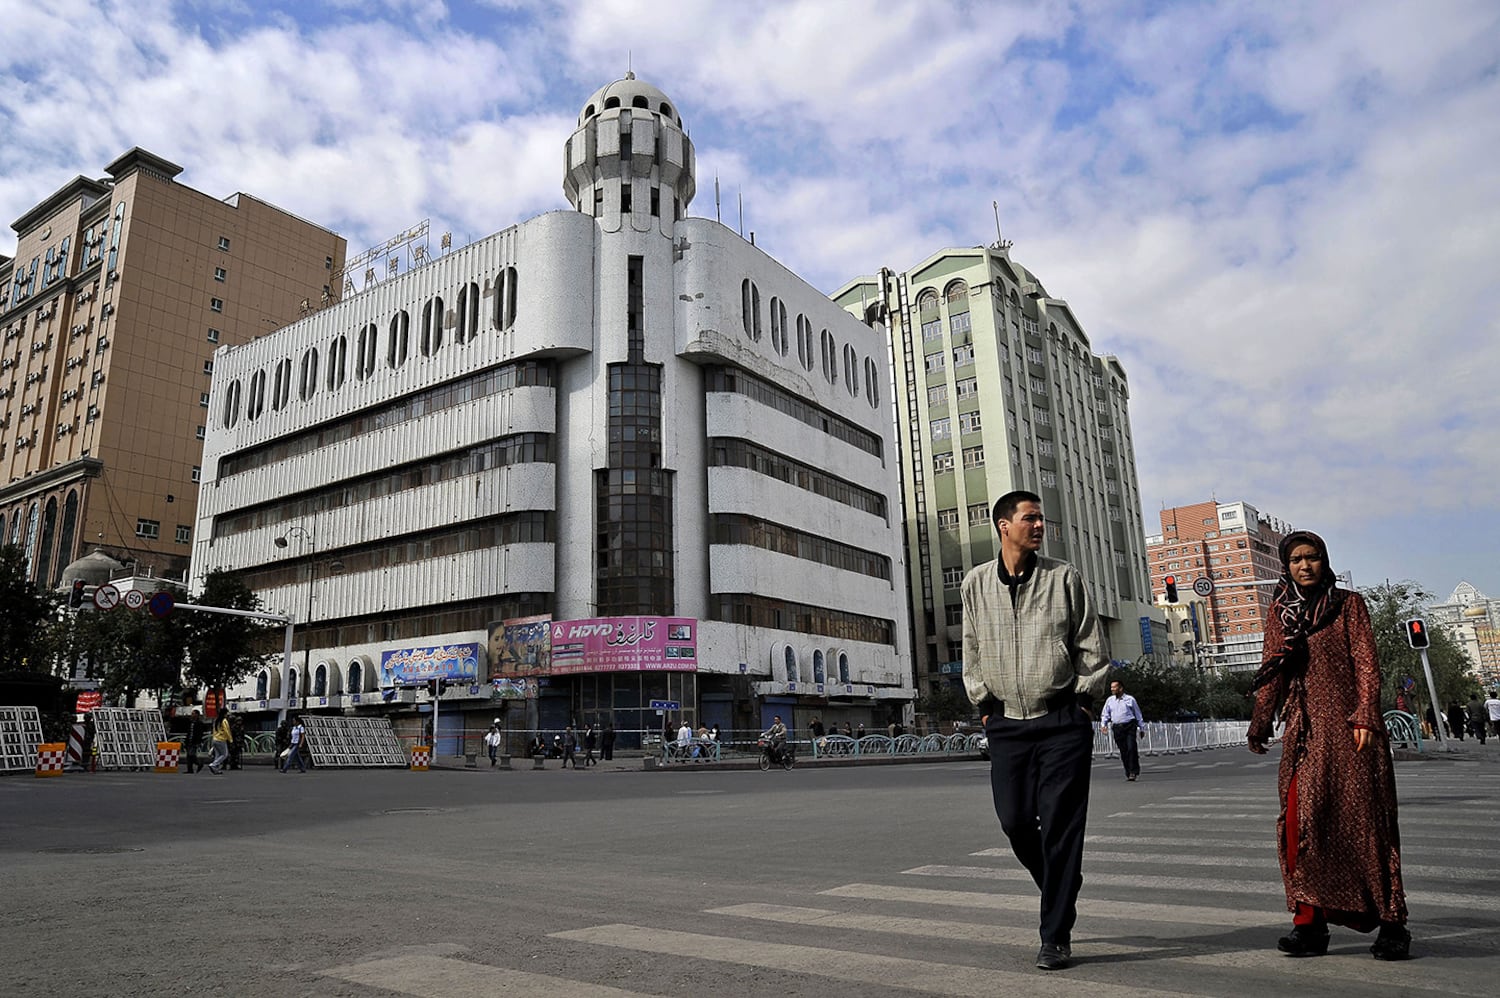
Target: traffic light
x=75 y=598
x=1416 y=633
x=438 y=686
x=1171 y=589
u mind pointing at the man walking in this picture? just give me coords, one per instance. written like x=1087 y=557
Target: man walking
x=1492 y=707
x=570 y=746
x=221 y=739
x=294 y=754
x=1122 y=717
x=194 y=738
x=492 y=743
x=1033 y=659
x=590 y=738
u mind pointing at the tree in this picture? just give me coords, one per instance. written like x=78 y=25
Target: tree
x=1391 y=604
x=947 y=703
x=135 y=651
x=27 y=617
x=222 y=648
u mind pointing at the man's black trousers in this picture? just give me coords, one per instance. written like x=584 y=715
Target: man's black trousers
x=1039 y=774
x=1125 y=738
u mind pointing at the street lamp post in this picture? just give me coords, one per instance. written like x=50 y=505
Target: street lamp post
x=312 y=569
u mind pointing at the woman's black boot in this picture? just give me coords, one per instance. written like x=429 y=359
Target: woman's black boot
x=1393 y=942
x=1304 y=940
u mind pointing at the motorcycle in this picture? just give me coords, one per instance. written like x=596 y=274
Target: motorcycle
x=771 y=755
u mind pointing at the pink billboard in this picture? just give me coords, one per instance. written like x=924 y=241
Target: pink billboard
x=625 y=644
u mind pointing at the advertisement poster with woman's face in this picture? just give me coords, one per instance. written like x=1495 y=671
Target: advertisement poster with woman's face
x=521 y=646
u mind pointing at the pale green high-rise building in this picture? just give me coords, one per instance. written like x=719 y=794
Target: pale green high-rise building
x=996 y=387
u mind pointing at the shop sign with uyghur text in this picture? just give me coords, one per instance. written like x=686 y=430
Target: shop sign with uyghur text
x=408 y=666
x=625 y=644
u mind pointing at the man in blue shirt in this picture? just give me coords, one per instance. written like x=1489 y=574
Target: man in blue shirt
x=1122 y=716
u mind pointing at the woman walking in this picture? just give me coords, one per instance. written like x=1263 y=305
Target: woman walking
x=221 y=738
x=1337 y=836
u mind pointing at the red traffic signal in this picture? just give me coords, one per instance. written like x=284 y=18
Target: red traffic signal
x=1416 y=633
x=1171 y=589
x=75 y=598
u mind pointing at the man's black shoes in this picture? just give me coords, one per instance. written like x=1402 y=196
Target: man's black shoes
x=1054 y=957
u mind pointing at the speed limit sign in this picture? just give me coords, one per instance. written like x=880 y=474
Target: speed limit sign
x=135 y=599
x=1203 y=585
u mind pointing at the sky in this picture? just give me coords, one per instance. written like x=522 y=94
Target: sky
x=1284 y=220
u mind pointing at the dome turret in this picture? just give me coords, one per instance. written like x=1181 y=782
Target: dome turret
x=630 y=158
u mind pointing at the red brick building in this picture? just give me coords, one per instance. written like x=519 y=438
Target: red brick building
x=1232 y=545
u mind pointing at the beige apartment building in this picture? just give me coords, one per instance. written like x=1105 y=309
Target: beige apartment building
x=119 y=292
x=996 y=387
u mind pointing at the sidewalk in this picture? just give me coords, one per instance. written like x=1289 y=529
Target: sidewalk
x=1468 y=750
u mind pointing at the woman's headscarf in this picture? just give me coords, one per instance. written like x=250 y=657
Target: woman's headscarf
x=1303 y=611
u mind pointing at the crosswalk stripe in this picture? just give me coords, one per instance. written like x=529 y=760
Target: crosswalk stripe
x=1242 y=917
x=896 y=925
x=1088 y=946
x=844 y=966
x=1236 y=817
x=1271 y=863
x=430 y=976
x=1256 y=841
x=1444 y=899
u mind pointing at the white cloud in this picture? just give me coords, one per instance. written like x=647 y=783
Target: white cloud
x=1283 y=220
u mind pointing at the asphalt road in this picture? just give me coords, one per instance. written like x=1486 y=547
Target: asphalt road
x=872 y=881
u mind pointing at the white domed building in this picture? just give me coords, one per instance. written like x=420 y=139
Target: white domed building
x=664 y=458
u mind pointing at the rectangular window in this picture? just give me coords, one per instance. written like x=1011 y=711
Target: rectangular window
x=933 y=362
x=149 y=529
x=197 y=473
x=963 y=355
x=968 y=422
x=942 y=429
x=932 y=330
x=973 y=457
x=1033 y=355
x=203 y=399
x=208 y=367
x=979 y=514
x=1045 y=448
x=942 y=464
x=1010 y=420
x=953 y=578
x=967 y=387
x=223 y=242
x=948 y=519
x=655 y=202
x=1042 y=416
x=1038 y=386
x=213 y=335
x=1049 y=478
x=625 y=206
x=199 y=433
x=216 y=304
x=937 y=395
x=220 y=274
x=959 y=323
x=184 y=534
x=953 y=614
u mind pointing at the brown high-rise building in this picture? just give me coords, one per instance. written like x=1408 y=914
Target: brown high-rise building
x=1232 y=545
x=120 y=290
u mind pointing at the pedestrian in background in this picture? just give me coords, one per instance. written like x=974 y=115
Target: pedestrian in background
x=1478 y=720
x=1034 y=658
x=196 y=729
x=294 y=751
x=1457 y=722
x=590 y=737
x=1122 y=718
x=569 y=747
x=492 y=743
x=1337 y=836
x=236 y=741
x=608 y=741
x=1491 y=706
x=221 y=738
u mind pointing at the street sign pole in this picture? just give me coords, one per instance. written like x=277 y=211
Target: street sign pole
x=1437 y=708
